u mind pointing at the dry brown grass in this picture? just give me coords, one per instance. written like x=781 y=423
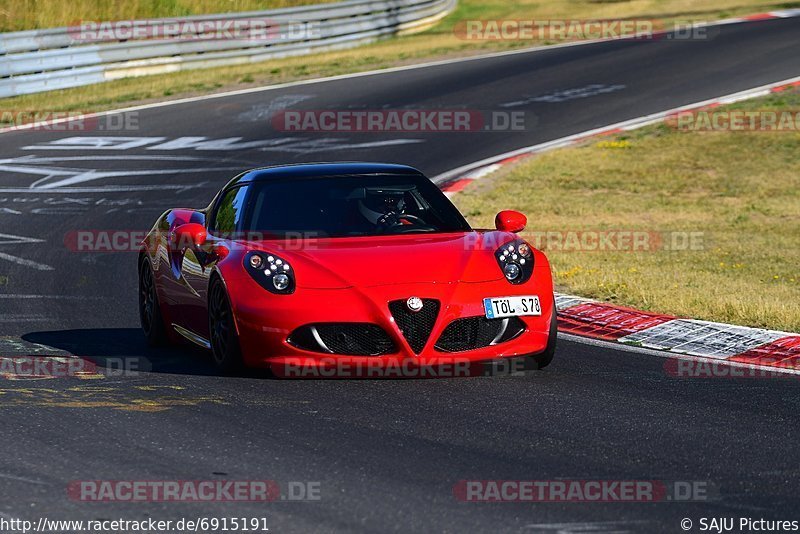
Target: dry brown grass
x=18 y=15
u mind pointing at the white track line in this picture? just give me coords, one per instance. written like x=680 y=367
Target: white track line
x=25 y=263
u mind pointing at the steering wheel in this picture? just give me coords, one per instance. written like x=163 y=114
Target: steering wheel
x=411 y=218
x=392 y=223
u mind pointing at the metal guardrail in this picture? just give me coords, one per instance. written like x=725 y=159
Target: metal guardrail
x=58 y=58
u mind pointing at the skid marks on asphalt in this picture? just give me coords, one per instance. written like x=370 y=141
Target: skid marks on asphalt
x=141 y=398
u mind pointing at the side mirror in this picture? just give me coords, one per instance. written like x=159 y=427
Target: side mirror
x=510 y=221
x=190 y=233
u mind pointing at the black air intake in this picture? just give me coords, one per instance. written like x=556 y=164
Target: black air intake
x=353 y=339
x=477 y=332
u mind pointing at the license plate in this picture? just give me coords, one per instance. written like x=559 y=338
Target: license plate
x=512 y=306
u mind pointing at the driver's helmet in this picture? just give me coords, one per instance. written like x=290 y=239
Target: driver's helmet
x=379 y=206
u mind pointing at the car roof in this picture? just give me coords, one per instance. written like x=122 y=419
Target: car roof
x=322 y=170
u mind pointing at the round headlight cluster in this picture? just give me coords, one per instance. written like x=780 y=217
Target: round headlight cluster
x=516 y=261
x=272 y=272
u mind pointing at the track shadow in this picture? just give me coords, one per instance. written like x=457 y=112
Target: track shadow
x=125 y=349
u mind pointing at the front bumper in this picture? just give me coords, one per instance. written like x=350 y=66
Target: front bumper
x=265 y=323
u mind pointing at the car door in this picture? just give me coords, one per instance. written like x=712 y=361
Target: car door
x=224 y=223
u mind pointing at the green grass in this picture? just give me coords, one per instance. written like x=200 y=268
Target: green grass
x=739 y=190
x=437 y=43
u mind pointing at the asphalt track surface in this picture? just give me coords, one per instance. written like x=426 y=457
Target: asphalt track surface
x=386 y=453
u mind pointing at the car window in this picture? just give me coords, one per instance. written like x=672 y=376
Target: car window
x=351 y=206
x=230 y=211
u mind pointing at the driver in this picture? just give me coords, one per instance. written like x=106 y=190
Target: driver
x=384 y=209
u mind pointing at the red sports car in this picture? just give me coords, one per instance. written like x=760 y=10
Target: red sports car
x=312 y=266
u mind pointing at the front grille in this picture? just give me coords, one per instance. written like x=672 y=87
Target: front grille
x=415 y=326
x=477 y=332
x=353 y=339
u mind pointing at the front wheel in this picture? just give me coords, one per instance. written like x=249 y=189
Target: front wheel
x=149 y=309
x=225 y=349
x=543 y=359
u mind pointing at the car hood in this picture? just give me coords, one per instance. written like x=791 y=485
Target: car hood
x=401 y=259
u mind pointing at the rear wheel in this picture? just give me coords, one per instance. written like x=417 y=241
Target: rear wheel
x=225 y=349
x=543 y=359
x=149 y=308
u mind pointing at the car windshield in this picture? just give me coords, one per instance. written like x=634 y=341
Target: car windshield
x=351 y=206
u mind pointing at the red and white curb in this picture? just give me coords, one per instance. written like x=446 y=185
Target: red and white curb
x=691 y=338
x=779 y=14
x=704 y=339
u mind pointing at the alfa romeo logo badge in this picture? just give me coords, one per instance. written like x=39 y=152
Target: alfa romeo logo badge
x=414 y=304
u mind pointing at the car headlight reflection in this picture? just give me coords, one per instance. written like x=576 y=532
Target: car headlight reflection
x=271 y=272
x=511 y=270
x=516 y=261
x=280 y=281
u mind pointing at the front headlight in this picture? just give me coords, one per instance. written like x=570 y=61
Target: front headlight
x=516 y=261
x=512 y=271
x=271 y=272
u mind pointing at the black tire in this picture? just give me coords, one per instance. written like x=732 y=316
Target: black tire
x=149 y=309
x=543 y=359
x=225 y=350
